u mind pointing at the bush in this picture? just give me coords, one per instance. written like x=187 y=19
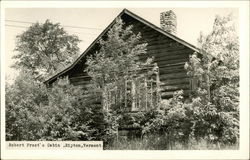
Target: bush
x=194 y=120
x=65 y=117
x=61 y=112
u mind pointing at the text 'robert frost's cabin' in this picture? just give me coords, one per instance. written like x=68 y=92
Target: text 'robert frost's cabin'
x=170 y=54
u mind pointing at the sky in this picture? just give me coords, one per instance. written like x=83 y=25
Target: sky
x=88 y=23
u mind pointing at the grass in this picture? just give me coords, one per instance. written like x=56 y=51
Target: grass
x=162 y=143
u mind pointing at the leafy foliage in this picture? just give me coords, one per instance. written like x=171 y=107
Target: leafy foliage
x=24 y=102
x=218 y=74
x=44 y=48
x=170 y=120
x=61 y=112
x=64 y=114
x=118 y=55
x=212 y=113
x=117 y=59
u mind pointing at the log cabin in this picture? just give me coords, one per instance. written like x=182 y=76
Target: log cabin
x=170 y=53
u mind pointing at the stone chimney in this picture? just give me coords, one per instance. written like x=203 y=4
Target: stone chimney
x=168 y=21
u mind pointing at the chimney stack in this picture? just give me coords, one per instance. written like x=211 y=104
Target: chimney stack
x=168 y=21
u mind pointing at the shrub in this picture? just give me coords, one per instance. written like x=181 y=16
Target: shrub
x=24 y=102
x=183 y=122
x=61 y=112
x=65 y=117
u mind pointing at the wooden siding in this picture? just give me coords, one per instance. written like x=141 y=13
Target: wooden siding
x=168 y=54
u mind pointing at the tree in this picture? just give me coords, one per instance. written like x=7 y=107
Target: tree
x=116 y=62
x=32 y=108
x=44 y=48
x=217 y=69
x=24 y=104
x=118 y=58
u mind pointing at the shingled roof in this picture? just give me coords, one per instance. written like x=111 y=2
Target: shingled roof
x=131 y=14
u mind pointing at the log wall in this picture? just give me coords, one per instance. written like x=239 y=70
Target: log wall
x=168 y=54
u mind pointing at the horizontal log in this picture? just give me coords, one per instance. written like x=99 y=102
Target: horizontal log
x=157 y=50
x=166 y=58
x=173 y=61
x=161 y=63
x=171 y=65
x=174 y=87
x=150 y=34
x=156 y=40
x=160 y=45
x=166 y=53
x=172 y=55
x=168 y=67
x=145 y=30
x=175 y=81
x=172 y=70
x=165 y=77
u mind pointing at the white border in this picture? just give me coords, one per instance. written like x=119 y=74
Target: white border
x=242 y=153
